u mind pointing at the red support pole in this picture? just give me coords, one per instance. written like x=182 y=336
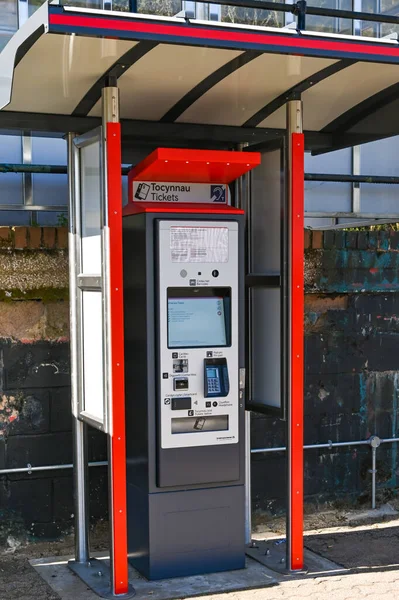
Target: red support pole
x=296 y=384
x=117 y=443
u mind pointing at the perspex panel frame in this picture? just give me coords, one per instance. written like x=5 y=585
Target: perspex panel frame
x=91 y=404
x=266 y=285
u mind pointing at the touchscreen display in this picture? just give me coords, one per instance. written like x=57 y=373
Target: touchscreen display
x=195 y=322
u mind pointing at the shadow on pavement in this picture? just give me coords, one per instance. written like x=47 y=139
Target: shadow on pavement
x=365 y=550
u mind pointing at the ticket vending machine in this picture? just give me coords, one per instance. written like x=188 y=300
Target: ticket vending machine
x=183 y=294
x=183 y=262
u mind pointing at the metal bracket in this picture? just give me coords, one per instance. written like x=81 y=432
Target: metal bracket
x=272 y=554
x=375 y=441
x=96 y=574
x=299 y=10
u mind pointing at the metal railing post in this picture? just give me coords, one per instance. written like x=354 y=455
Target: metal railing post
x=242 y=201
x=374 y=443
x=80 y=460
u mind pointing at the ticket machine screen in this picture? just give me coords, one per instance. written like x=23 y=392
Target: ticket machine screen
x=199 y=319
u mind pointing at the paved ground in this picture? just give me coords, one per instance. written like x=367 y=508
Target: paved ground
x=23 y=583
x=373 y=586
x=371 y=552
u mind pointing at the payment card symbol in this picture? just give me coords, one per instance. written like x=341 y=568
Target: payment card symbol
x=142 y=191
x=218 y=194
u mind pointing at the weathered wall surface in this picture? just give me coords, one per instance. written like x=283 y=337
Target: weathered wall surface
x=35 y=414
x=352 y=369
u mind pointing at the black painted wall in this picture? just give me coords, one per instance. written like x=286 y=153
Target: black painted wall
x=351 y=372
x=351 y=392
x=35 y=427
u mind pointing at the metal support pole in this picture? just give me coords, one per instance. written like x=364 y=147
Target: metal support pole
x=373 y=473
x=242 y=201
x=112 y=276
x=300 y=12
x=248 y=497
x=110 y=114
x=80 y=461
x=375 y=442
x=133 y=6
x=295 y=359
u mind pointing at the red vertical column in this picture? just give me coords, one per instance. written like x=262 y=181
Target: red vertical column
x=296 y=383
x=117 y=443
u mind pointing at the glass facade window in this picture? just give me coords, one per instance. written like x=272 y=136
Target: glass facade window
x=378 y=158
x=250 y=16
x=8 y=20
x=330 y=24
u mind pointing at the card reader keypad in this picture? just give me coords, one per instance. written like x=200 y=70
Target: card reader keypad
x=213 y=385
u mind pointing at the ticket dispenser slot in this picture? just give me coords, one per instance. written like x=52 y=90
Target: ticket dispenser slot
x=217 y=383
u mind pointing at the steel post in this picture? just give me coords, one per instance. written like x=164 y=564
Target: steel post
x=248 y=498
x=112 y=277
x=373 y=474
x=375 y=442
x=242 y=201
x=295 y=292
x=80 y=461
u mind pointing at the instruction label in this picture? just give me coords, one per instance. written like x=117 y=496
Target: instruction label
x=158 y=191
x=199 y=244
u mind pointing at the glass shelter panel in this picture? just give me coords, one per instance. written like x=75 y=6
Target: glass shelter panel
x=89 y=186
x=266 y=347
x=265 y=214
x=380 y=158
x=91 y=208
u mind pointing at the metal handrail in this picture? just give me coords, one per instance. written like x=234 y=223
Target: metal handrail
x=310 y=10
x=329 y=445
x=337 y=178
x=44 y=169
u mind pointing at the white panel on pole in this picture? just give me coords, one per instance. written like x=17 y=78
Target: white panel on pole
x=93 y=391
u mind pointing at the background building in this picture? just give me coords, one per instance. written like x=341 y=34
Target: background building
x=22 y=190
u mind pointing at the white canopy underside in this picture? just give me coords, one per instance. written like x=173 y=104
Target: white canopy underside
x=179 y=80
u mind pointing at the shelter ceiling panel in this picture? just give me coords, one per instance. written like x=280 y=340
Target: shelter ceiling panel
x=276 y=119
x=332 y=97
x=240 y=95
x=162 y=77
x=383 y=122
x=64 y=68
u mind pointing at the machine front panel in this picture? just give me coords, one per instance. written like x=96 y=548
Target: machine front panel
x=198 y=333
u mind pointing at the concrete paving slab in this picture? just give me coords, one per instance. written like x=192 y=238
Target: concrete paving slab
x=384 y=512
x=272 y=554
x=68 y=586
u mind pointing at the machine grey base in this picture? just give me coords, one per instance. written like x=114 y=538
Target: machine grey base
x=61 y=579
x=190 y=533
x=272 y=554
x=96 y=574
